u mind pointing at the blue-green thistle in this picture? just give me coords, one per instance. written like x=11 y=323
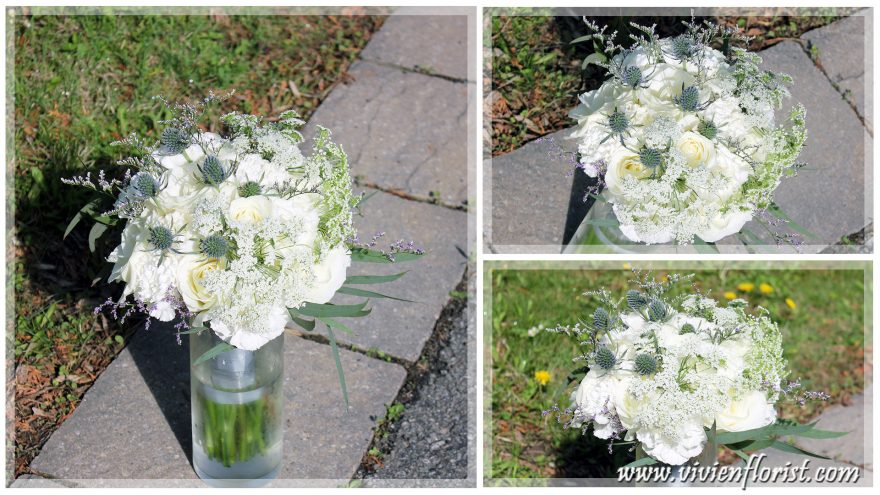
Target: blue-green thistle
x=161 y=238
x=632 y=76
x=645 y=364
x=249 y=188
x=212 y=170
x=617 y=122
x=145 y=184
x=174 y=140
x=600 y=319
x=651 y=158
x=708 y=129
x=689 y=99
x=605 y=358
x=214 y=246
x=657 y=310
x=682 y=47
x=635 y=300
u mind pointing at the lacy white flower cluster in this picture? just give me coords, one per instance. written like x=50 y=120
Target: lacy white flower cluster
x=683 y=137
x=232 y=231
x=662 y=375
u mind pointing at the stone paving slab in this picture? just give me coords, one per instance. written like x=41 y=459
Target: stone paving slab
x=401 y=130
x=828 y=197
x=401 y=328
x=436 y=44
x=842 y=48
x=531 y=193
x=134 y=423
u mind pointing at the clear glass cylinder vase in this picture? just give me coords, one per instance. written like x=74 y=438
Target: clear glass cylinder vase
x=237 y=412
x=598 y=232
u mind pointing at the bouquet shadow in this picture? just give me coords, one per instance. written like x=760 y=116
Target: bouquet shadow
x=165 y=367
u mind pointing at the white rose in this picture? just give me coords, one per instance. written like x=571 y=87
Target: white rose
x=749 y=412
x=696 y=149
x=250 y=210
x=304 y=208
x=725 y=224
x=668 y=80
x=624 y=163
x=329 y=275
x=190 y=281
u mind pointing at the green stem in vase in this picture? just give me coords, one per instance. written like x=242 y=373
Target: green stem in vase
x=234 y=432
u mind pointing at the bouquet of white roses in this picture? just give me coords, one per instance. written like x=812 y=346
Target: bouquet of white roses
x=242 y=234
x=680 y=375
x=682 y=136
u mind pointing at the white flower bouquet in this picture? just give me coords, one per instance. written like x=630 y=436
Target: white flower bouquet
x=677 y=376
x=682 y=137
x=236 y=237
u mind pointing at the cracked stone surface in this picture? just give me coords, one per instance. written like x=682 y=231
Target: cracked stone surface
x=402 y=130
x=401 y=328
x=845 y=54
x=134 y=423
x=411 y=41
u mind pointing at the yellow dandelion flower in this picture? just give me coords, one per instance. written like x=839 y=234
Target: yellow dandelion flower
x=542 y=376
x=765 y=288
x=746 y=287
x=730 y=295
x=627 y=266
x=790 y=302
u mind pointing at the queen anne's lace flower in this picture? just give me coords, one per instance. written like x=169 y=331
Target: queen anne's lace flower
x=687 y=138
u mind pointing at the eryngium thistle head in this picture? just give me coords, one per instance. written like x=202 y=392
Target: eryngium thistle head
x=174 y=140
x=617 y=122
x=212 y=171
x=657 y=310
x=145 y=184
x=687 y=328
x=682 y=47
x=689 y=99
x=605 y=358
x=708 y=129
x=635 y=300
x=249 y=188
x=161 y=238
x=214 y=246
x=650 y=158
x=645 y=364
x=632 y=76
x=600 y=319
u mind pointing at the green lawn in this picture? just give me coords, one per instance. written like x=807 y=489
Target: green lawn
x=82 y=82
x=537 y=74
x=823 y=338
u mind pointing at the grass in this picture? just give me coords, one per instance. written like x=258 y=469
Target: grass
x=536 y=72
x=82 y=82
x=823 y=339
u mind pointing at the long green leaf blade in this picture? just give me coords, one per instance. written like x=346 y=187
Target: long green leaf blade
x=644 y=461
x=331 y=310
x=372 y=279
x=352 y=291
x=307 y=325
x=787 y=447
x=339 y=370
x=213 y=352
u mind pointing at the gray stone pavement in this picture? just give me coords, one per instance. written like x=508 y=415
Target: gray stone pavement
x=832 y=197
x=840 y=49
x=406 y=133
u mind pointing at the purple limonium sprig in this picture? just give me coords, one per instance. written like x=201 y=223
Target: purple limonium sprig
x=775 y=226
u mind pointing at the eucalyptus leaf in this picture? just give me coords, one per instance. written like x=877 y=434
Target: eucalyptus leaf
x=335 y=324
x=307 y=325
x=97 y=231
x=787 y=447
x=644 y=461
